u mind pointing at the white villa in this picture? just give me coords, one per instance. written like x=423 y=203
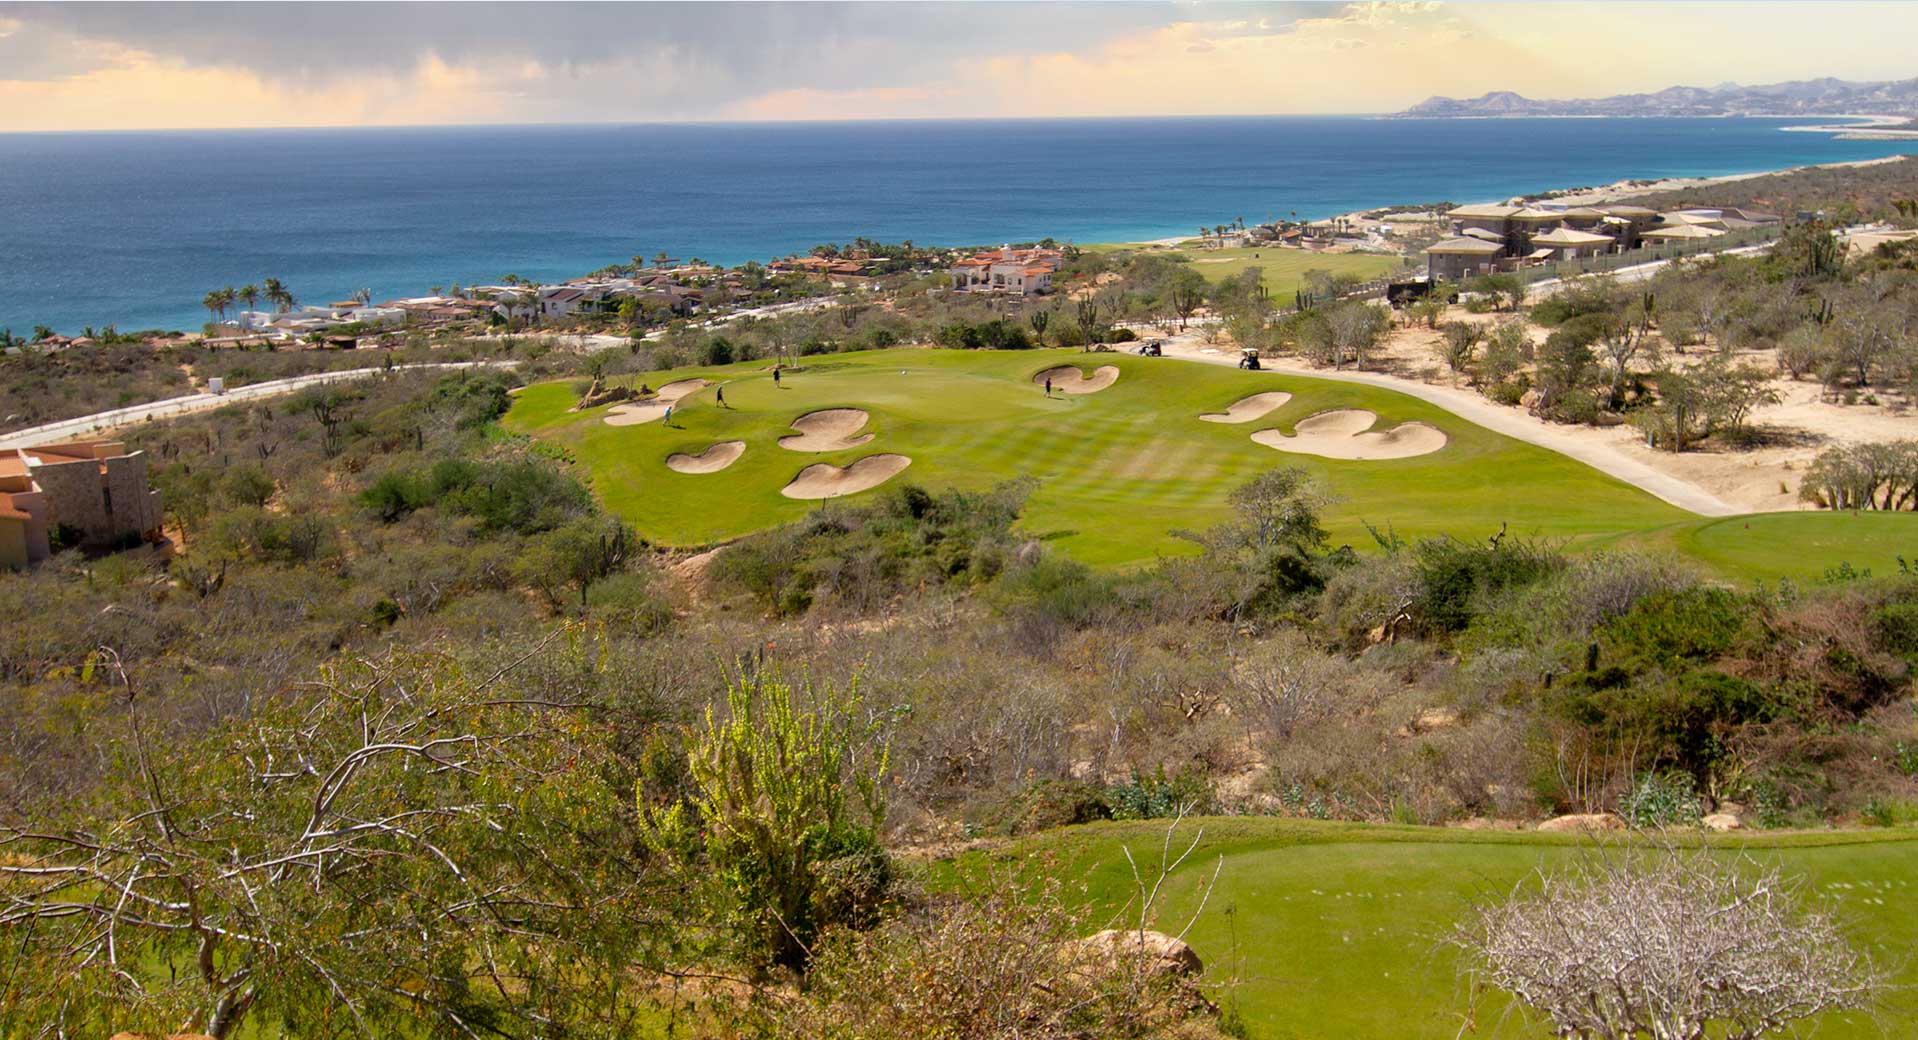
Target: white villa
x=1027 y=272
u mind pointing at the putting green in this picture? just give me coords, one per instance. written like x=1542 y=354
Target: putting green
x=1122 y=468
x=1334 y=930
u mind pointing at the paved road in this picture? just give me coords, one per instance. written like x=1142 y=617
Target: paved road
x=67 y=429
x=1470 y=406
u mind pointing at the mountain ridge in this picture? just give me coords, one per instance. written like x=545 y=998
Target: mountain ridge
x=1825 y=96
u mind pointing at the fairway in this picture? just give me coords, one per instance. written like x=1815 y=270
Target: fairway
x=1122 y=468
x=1334 y=930
x=1282 y=270
x=1119 y=470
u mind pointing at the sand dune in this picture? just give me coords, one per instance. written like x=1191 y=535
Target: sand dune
x=832 y=429
x=1246 y=409
x=1069 y=379
x=712 y=460
x=823 y=480
x=650 y=411
x=1342 y=434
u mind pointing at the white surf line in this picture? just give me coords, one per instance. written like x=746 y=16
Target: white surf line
x=204 y=402
x=1602 y=457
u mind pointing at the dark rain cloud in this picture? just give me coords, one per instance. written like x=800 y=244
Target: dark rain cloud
x=707 y=52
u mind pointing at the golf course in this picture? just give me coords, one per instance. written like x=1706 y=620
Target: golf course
x=1281 y=270
x=1125 y=457
x=1337 y=929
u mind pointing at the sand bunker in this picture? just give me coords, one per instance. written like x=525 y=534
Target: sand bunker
x=712 y=460
x=1246 y=409
x=833 y=429
x=821 y=480
x=650 y=410
x=1342 y=435
x=1073 y=381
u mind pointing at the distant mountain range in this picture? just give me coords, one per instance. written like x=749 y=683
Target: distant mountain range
x=1803 y=97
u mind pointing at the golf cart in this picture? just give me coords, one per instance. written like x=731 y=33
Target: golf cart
x=1152 y=348
x=1249 y=359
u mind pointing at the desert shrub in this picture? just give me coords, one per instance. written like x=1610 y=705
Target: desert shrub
x=1693 y=624
x=628 y=601
x=1154 y=795
x=1047 y=804
x=1002 y=959
x=1661 y=800
x=527 y=495
x=779 y=824
x=1456 y=580
x=290 y=538
x=861 y=556
x=1895 y=628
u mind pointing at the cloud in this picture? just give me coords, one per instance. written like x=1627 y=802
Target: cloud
x=110 y=65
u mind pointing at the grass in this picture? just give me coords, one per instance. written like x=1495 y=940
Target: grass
x=1283 y=270
x=1122 y=469
x=1333 y=930
x=1119 y=470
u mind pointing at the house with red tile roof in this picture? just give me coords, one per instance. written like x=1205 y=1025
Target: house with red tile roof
x=1027 y=272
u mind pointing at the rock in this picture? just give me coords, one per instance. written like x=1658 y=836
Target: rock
x=1583 y=822
x=599 y=394
x=1722 y=821
x=1171 y=956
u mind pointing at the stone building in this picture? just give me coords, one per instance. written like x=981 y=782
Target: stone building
x=89 y=492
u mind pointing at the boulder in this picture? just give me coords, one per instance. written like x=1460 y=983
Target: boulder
x=1170 y=956
x=599 y=393
x=1722 y=821
x=1583 y=822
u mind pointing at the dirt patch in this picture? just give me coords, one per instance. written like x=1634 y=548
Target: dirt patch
x=823 y=480
x=1246 y=409
x=652 y=410
x=1069 y=379
x=832 y=429
x=1342 y=434
x=712 y=460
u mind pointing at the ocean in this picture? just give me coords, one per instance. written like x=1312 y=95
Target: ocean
x=132 y=229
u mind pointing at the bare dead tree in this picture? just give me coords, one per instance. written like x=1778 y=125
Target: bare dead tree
x=406 y=844
x=1666 y=944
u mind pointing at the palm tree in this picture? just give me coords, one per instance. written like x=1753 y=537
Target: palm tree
x=250 y=295
x=639 y=263
x=660 y=258
x=276 y=294
x=362 y=296
x=211 y=301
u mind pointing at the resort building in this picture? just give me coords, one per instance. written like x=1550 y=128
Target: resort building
x=86 y=492
x=1456 y=259
x=1024 y=271
x=1568 y=243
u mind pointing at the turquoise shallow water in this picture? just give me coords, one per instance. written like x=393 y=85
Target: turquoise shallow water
x=133 y=228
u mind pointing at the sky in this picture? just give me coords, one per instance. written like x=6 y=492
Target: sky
x=91 y=66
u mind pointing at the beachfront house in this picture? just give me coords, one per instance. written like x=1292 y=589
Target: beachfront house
x=1026 y=272
x=86 y=492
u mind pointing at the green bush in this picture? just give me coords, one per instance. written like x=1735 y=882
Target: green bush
x=1155 y=796
x=526 y=495
x=1695 y=624
x=779 y=824
x=1894 y=627
x=1457 y=580
x=1661 y=800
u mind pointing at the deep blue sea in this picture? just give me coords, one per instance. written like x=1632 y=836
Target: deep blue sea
x=132 y=229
